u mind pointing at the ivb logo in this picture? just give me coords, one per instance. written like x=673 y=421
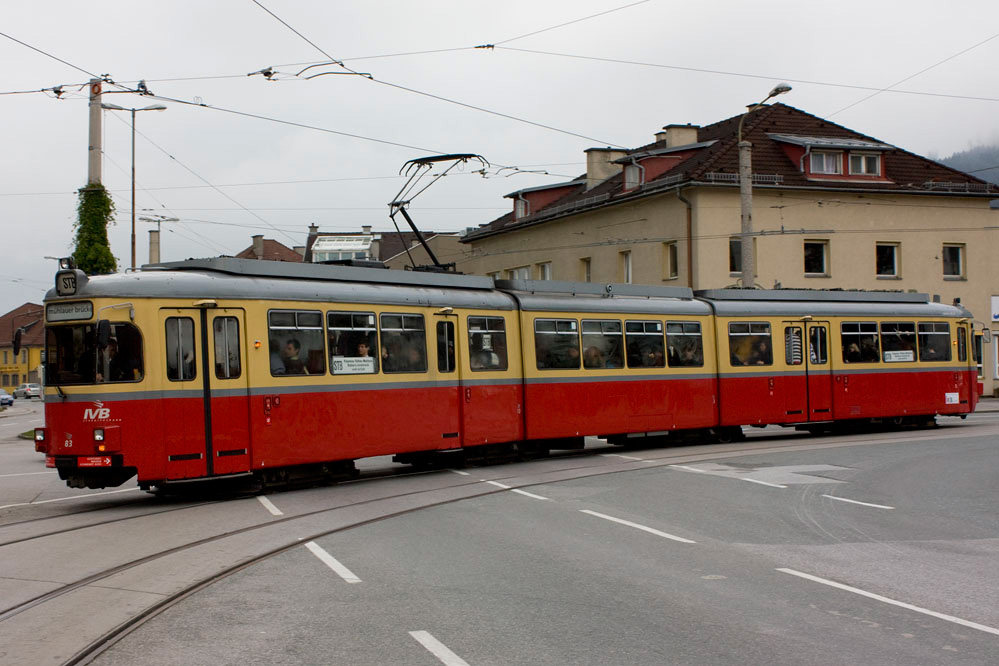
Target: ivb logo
x=97 y=413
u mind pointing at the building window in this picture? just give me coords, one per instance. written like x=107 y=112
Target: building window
x=545 y=271
x=865 y=164
x=520 y=208
x=827 y=163
x=632 y=176
x=734 y=255
x=494 y=275
x=585 y=265
x=953 y=261
x=670 y=261
x=886 y=260
x=626 y=267
x=519 y=273
x=816 y=257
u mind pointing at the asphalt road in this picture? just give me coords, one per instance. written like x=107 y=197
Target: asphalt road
x=876 y=549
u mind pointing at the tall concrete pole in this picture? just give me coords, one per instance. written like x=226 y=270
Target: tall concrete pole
x=133 y=189
x=96 y=141
x=746 y=196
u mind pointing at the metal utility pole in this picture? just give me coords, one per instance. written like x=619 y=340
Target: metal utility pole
x=96 y=147
x=746 y=194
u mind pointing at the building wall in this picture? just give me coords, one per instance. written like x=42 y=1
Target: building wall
x=15 y=371
x=851 y=225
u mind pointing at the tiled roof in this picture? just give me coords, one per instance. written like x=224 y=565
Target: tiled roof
x=716 y=161
x=29 y=317
x=273 y=251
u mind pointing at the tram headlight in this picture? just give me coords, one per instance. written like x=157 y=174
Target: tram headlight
x=40 y=444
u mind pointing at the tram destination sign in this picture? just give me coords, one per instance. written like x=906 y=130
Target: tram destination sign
x=69 y=311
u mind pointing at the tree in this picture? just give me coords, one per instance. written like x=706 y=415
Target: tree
x=95 y=211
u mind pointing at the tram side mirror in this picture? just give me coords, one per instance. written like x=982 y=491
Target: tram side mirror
x=17 y=341
x=103 y=333
x=986 y=337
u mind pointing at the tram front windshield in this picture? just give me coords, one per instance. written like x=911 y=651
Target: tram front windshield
x=72 y=356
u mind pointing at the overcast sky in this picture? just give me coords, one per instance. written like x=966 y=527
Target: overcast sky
x=543 y=96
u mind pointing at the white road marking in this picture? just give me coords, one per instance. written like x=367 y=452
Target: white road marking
x=270 y=506
x=689 y=469
x=458 y=471
x=843 y=499
x=650 y=530
x=3 y=476
x=901 y=604
x=74 y=497
x=497 y=484
x=527 y=494
x=618 y=455
x=764 y=483
x=438 y=649
x=332 y=563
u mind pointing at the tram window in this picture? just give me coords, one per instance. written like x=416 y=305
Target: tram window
x=860 y=342
x=404 y=343
x=934 y=341
x=817 y=345
x=644 y=340
x=977 y=352
x=556 y=343
x=793 y=349
x=603 y=344
x=683 y=340
x=962 y=344
x=72 y=357
x=296 y=344
x=749 y=343
x=445 y=346
x=487 y=343
x=227 y=358
x=898 y=341
x=353 y=342
x=181 y=361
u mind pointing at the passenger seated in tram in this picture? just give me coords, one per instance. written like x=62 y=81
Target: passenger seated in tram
x=593 y=358
x=762 y=354
x=293 y=365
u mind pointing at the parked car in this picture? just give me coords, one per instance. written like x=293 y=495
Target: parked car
x=28 y=391
x=6 y=398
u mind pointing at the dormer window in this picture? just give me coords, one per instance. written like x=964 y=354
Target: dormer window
x=632 y=176
x=520 y=208
x=865 y=164
x=828 y=163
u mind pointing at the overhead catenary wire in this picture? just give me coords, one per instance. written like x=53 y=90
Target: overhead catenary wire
x=579 y=20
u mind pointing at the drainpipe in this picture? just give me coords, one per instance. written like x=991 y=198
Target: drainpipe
x=801 y=162
x=690 y=238
x=641 y=170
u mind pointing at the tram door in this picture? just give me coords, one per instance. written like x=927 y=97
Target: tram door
x=809 y=383
x=205 y=392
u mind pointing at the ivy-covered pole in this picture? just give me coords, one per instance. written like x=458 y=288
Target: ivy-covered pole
x=95 y=211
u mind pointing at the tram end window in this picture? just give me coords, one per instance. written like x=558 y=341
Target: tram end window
x=934 y=341
x=353 y=343
x=644 y=344
x=603 y=344
x=556 y=344
x=750 y=343
x=487 y=343
x=686 y=348
x=404 y=343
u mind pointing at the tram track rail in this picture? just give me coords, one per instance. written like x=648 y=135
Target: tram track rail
x=561 y=467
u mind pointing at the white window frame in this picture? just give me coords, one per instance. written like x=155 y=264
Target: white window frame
x=632 y=176
x=626 y=267
x=520 y=208
x=962 y=269
x=545 y=270
x=829 y=160
x=825 y=256
x=864 y=157
x=519 y=273
x=896 y=270
x=587 y=266
x=671 y=260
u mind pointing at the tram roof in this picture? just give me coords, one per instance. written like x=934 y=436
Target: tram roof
x=557 y=296
x=801 y=302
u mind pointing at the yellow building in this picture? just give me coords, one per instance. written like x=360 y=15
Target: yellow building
x=26 y=366
x=832 y=209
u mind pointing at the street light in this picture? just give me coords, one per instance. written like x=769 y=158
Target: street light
x=115 y=107
x=746 y=191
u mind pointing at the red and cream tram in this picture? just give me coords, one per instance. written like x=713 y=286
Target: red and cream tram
x=226 y=368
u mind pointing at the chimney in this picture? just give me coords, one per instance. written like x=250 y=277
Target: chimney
x=258 y=246
x=154 y=246
x=600 y=165
x=678 y=135
x=313 y=229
